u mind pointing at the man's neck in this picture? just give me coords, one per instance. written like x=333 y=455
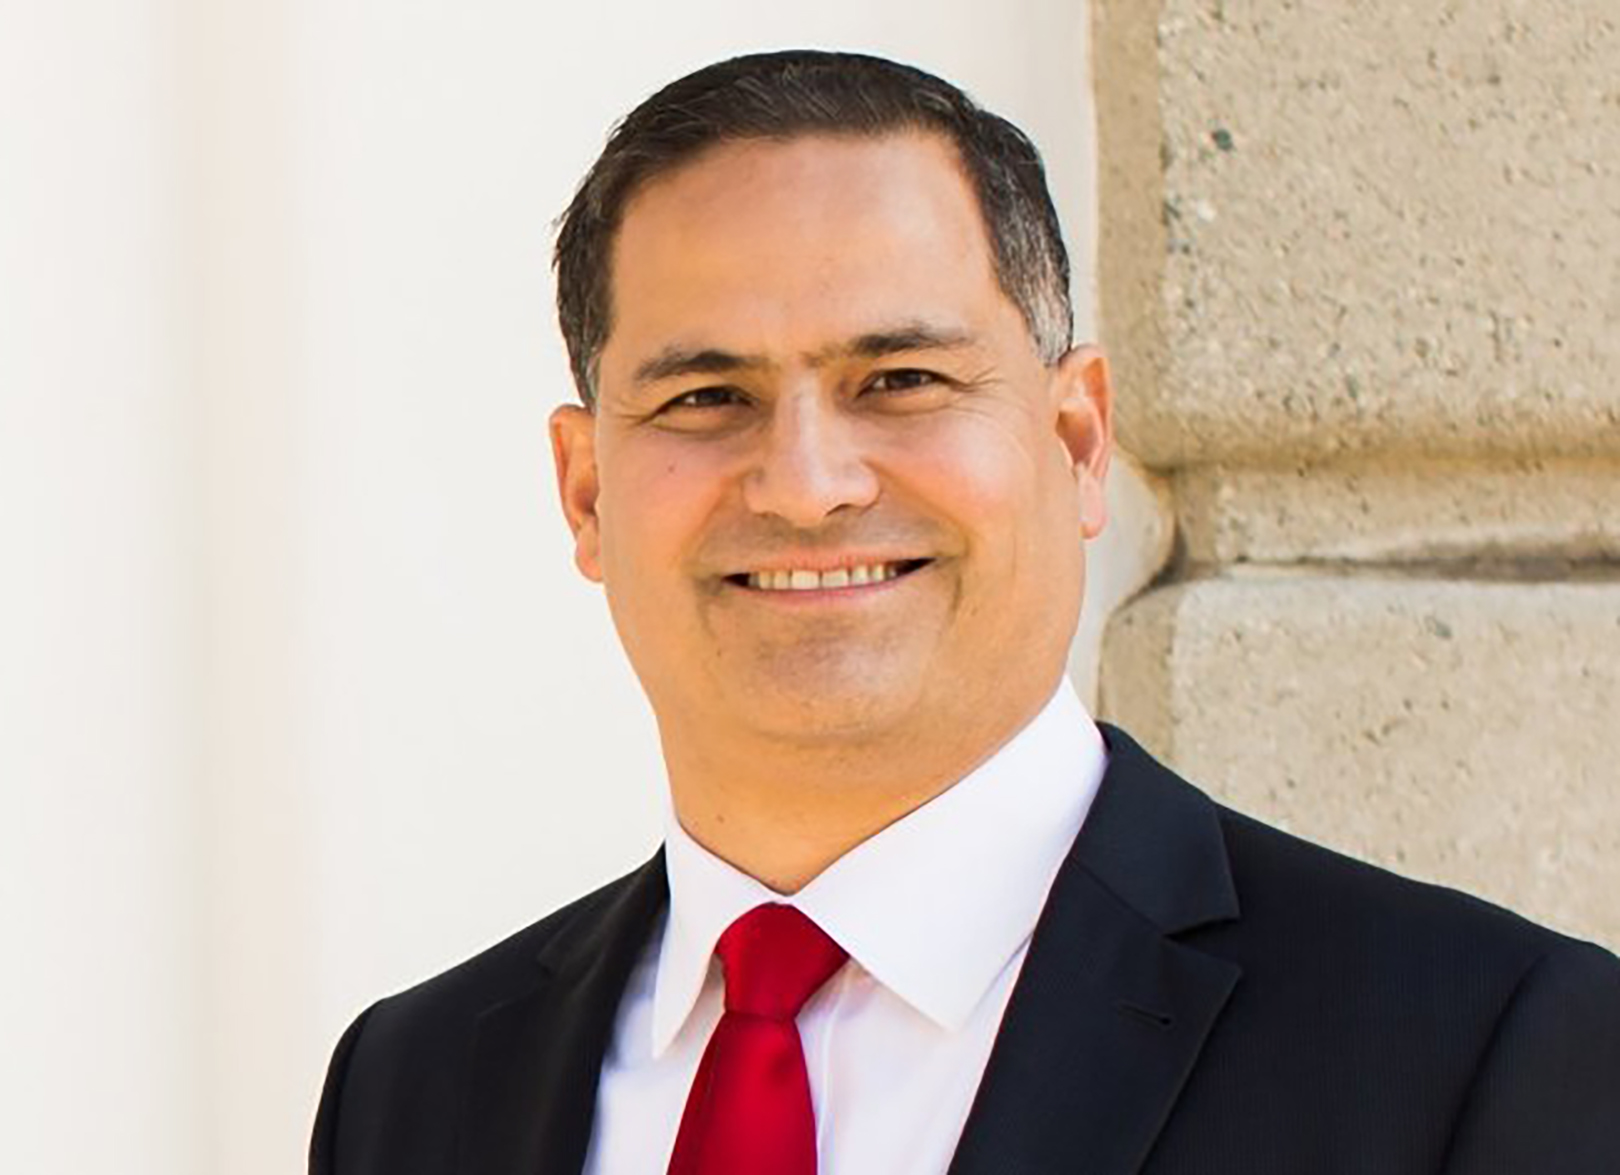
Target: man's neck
x=783 y=814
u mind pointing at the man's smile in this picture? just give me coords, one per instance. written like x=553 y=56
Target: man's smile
x=867 y=573
x=844 y=581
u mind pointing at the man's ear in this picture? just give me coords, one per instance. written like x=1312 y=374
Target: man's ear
x=1085 y=425
x=573 y=448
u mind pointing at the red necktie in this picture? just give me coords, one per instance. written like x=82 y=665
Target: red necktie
x=749 y=1111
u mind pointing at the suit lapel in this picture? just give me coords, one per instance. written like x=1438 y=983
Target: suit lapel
x=537 y=1056
x=1110 y=1012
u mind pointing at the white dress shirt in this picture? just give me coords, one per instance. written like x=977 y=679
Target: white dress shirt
x=936 y=912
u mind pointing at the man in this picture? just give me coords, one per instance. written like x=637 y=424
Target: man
x=916 y=912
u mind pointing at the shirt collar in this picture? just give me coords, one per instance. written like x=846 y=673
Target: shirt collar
x=936 y=904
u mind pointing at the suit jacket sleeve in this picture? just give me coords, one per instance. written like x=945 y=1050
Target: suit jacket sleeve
x=323 y=1141
x=1546 y=1095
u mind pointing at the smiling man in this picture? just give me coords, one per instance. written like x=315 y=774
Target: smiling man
x=833 y=490
x=835 y=467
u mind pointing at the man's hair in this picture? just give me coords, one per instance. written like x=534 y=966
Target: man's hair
x=780 y=96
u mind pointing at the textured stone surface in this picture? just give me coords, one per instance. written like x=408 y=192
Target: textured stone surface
x=1465 y=733
x=1500 y=520
x=1343 y=227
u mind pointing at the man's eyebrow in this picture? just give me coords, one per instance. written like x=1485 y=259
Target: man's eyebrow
x=676 y=361
x=915 y=336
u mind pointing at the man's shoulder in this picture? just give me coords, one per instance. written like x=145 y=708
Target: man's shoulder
x=506 y=970
x=1361 y=920
x=1376 y=1015
x=1293 y=898
x=404 y=1064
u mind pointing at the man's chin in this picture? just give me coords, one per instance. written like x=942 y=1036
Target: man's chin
x=828 y=714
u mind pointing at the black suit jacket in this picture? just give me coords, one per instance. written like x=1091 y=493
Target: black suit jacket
x=1203 y=994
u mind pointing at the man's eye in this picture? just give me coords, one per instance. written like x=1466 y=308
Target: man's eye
x=704 y=398
x=902 y=380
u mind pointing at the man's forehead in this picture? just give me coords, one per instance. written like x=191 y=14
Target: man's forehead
x=816 y=244
x=814 y=200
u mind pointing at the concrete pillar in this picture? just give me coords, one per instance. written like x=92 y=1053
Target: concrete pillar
x=1358 y=273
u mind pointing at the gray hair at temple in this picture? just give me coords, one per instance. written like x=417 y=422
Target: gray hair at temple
x=783 y=95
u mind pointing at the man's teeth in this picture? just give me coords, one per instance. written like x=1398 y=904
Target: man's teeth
x=809 y=581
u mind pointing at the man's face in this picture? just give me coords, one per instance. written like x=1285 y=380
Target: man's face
x=830 y=488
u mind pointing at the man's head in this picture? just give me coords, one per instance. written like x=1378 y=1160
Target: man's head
x=779 y=96
x=833 y=477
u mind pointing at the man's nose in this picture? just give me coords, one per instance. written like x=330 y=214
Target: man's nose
x=810 y=463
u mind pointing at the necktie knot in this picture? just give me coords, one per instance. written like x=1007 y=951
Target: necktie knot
x=775 y=959
x=749 y=1110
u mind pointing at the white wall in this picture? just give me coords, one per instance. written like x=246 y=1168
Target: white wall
x=99 y=1041
x=311 y=703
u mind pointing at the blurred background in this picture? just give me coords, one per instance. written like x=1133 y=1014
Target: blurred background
x=301 y=700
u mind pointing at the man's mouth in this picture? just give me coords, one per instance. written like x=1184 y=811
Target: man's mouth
x=804 y=579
